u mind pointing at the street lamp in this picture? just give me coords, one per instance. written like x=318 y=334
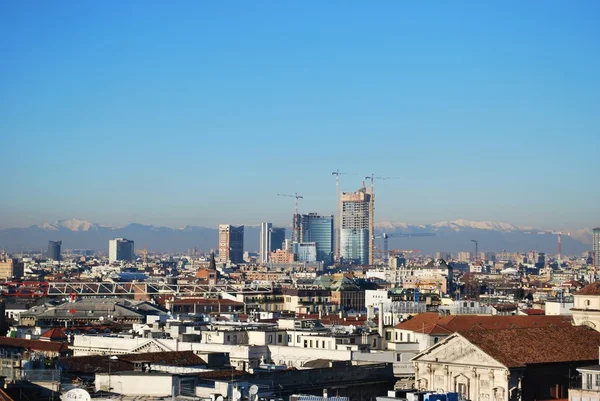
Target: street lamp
x=110 y=359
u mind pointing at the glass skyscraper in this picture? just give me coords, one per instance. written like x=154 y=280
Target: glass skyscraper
x=318 y=229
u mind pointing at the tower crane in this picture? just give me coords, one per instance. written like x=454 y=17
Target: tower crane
x=336 y=246
x=296 y=226
x=144 y=253
x=372 y=178
x=559 y=235
x=385 y=237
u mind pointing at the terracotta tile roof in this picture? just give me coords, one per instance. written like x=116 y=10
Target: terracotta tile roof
x=534 y=345
x=55 y=334
x=427 y=322
x=125 y=363
x=37 y=345
x=590 y=289
x=532 y=312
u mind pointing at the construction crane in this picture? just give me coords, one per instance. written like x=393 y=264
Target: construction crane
x=296 y=225
x=144 y=253
x=372 y=178
x=336 y=247
x=559 y=235
x=385 y=237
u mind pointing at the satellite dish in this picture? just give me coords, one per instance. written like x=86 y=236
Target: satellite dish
x=237 y=395
x=253 y=389
x=220 y=398
x=77 y=394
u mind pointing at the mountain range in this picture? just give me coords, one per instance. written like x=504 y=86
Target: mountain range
x=451 y=236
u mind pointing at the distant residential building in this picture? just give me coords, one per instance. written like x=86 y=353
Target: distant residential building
x=271 y=239
x=121 y=249
x=487 y=256
x=357 y=232
x=10 y=267
x=596 y=247
x=281 y=256
x=464 y=256
x=318 y=229
x=231 y=243
x=443 y=255
x=54 y=250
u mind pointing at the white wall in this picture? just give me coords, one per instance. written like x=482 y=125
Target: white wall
x=148 y=384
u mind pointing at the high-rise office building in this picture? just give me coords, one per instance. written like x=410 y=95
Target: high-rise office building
x=356 y=229
x=596 y=247
x=271 y=239
x=318 y=229
x=54 y=250
x=231 y=243
x=121 y=249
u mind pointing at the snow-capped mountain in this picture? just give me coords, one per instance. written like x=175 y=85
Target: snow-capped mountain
x=451 y=236
x=71 y=225
x=456 y=225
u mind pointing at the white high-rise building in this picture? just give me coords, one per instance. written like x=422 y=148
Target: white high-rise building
x=121 y=249
x=271 y=239
x=265 y=241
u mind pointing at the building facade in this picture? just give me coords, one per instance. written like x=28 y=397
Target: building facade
x=231 y=243
x=318 y=229
x=10 y=268
x=54 y=250
x=271 y=239
x=121 y=249
x=356 y=232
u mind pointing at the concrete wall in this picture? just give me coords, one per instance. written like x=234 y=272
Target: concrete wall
x=127 y=384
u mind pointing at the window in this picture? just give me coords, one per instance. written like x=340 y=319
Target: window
x=597 y=380
x=587 y=302
x=398 y=357
x=396 y=336
x=305 y=343
x=311 y=344
x=270 y=338
x=587 y=383
x=323 y=343
x=289 y=338
x=228 y=338
x=388 y=335
x=408 y=337
x=280 y=338
x=435 y=340
x=297 y=339
x=401 y=336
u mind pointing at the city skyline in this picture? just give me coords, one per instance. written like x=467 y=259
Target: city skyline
x=486 y=112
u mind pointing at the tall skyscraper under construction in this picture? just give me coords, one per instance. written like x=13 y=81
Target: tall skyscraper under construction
x=357 y=226
x=596 y=247
x=231 y=243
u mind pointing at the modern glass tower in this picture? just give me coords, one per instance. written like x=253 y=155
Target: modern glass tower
x=318 y=229
x=271 y=239
x=54 y=250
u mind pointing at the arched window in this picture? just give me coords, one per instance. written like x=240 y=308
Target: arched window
x=435 y=340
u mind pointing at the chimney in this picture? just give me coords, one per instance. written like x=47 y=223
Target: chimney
x=370 y=312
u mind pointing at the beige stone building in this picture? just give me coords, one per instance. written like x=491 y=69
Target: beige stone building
x=10 y=268
x=586 y=306
x=534 y=363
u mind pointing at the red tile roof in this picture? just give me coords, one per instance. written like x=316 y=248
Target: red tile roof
x=532 y=312
x=37 y=345
x=55 y=334
x=432 y=323
x=590 y=289
x=535 y=345
x=206 y=301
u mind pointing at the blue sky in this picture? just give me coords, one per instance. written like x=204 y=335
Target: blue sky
x=201 y=112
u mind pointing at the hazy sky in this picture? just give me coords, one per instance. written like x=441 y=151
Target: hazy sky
x=198 y=112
